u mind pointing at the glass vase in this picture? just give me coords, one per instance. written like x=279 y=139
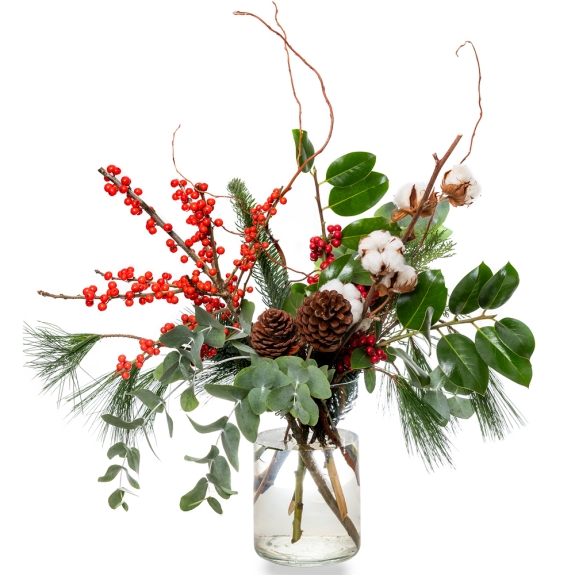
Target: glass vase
x=306 y=500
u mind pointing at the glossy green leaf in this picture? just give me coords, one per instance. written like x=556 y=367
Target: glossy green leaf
x=499 y=288
x=303 y=151
x=500 y=358
x=217 y=425
x=188 y=399
x=133 y=458
x=149 y=399
x=292 y=302
x=298 y=288
x=194 y=497
x=115 y=500
x=360 y=359
x=418 y=376
x=358 y=229
x=177 y=337
x=421 y=225
x=341 y=268
x=429 y=291
x=215 y=505
x=349 y=169
x=438 y=402
x=117 y=449
x=464 y=298
x=231 y=443
x=360 y=197
x=247 y=310
x=111 y=473
x=247 y=420
x=318 y=383
x=370 y=379
x=360 y=276
x=516 y=336
x=460 y=362
x=120 y=423
x=228 y=392
x=460 y=407
x=212 y=454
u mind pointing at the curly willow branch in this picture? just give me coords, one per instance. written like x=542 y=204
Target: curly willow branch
x=478 y=92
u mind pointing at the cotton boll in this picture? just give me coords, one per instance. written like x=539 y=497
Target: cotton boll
x=386 y=279
x=394 y=243
x=371 y=262
x=334 y=284
x=365 y=324
x=350 y=292
x=356 y=310
x=405 y=276
x=392 y=259
x=459 y=174
x=381 y=238
x=472 y=192
x=367 y=243
x=403 y=195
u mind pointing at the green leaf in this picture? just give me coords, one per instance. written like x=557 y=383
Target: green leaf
x=244 y=378
x=215 y=505
x=298 y=288
x=305 y=408
x=149 y=399
x=243 y=347
x=223 y=492
x=212 y=454
x=119 y=448
x=231 y=443
x=359 y=197
x=133 y=458
x=215 y=426
x=247 y=420
x=111 y=473
x=194 y=497
x=228 y=392
x=360 y=276
x=350 y=169
x=120 y=423
x=304 y=151
x=358 y=229
x=177 y=337
x=188 y=399
x=170 y=424
x=115 y=500
x=499 y=357
x=369 y=376
x=437 y=379
x=426 y=326
x=170 y=368
x=281 y=397
x=257 y=398
x=318 y=383
x=460 y=362
x=360 y=359
x=429 y=291
x=247 y=310
x=292 y=302
x=464 y=298
x=499 y=288
x=206 y=319
x=220 y=471
x=284 y=362
x=438 y=402
x=452 y=388
x=418 y=376
x=132 y=481
x=341 y=268
x=215 y=338
x=460 y=407
x=125 y=506
x=516 y=336
x=385 y=211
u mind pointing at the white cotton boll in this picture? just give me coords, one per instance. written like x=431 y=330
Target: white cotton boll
x=406 y=275
x=367 y=243
x=459 y=174
x=356 y=310
x=381 y=238
x=371 y=262
x=365 y=324
x=386 y=279
x=394 y=243
x=472 y=192
x=334 y=284
x=350 y=292
x=403 y=195
x=392 y=259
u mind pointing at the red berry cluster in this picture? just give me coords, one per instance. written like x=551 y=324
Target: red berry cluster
x=322 y=247
x=376 y=354
x=364 y=293
x=113 y=189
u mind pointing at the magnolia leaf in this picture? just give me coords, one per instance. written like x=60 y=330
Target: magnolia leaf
x=464 y=298
x=341 y=268
x=418 y=376
x=499 y=288
x=360 y=359
x=358 y=229
x=359 y=197
x=516 y=336
x=350 y=168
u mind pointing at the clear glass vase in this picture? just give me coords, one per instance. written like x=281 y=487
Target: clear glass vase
x=306 y=500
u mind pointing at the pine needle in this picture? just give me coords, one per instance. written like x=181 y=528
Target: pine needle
x=434 y=247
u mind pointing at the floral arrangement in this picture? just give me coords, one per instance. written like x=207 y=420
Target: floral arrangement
x=371 y=308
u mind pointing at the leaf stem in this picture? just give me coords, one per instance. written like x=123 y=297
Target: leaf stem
x=298 y=500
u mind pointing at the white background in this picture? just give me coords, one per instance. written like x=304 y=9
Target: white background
x=86 y=84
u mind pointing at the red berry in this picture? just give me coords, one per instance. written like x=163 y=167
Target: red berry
x=371 y=339
x=283 y=201
x=218 y=222
x=174 y=183
x=184 y=259
x=126 y=375
x=167 y=227
x=126 y=181
x=374 y=358
x=102 y=306
x=203 y=187
x=111 y=169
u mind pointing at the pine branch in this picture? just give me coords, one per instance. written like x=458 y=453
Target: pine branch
x=343 y=397
x=272 y=280
x=496 y=413
x=434 y=247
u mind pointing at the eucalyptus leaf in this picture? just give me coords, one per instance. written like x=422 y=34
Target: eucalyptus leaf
x=217 y=425
x=359 y=197
x=292 y=302
x=220 y=471
x=243 y=347
x=281 y=398
x=120 y=423
x=426 y=326
x=117 y=449
x=228 y=392
x=244 y=378
x=438 y=402
x=231 y=443
x=499 y=288
x=133 y=458
x=205 y=318
x=215 y=505
x=115 y=500
x=247 y=420
x=188 y=399
x=257 y=398
x=215 y=338
x=460 y=407
x=170 y=424
x=111 y=473
x=176 y=337
x=350 y=168
x=131 y=480
x=170 y=368
x=304 y=406
x=247 y=310
x=212 y=454
x=194 y=497
x=318 y=383
x=149 y=399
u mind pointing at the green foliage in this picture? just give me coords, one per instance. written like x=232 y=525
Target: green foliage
x=359 y=197
x=341 y=268
x=272 y=280
x=464 y=298
x=435 y=246
x=499 y=288
x=303 y=149
x=350 y=169
x=352 y=233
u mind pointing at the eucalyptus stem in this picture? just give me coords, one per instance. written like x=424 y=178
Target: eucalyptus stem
x=298 y=500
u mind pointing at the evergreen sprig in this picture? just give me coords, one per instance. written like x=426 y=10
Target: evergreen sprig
x=435 y=246
x=272 y=280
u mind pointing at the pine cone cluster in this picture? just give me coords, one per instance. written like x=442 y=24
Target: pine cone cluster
x=323 y=318
x=274 y=334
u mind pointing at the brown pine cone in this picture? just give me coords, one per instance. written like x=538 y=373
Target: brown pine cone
x=274 y=334
x=323 y=318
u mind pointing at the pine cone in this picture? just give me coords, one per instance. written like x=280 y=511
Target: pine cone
x=274 y=334
x=323 y=318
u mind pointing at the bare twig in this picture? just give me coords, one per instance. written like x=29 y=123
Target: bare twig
x=318 y=201
x=478 y=92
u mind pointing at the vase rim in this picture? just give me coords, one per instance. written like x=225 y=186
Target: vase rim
x=274 y=439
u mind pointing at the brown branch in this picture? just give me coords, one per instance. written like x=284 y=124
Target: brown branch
x=318 y=201
x=478 y=92
x=103 y=335
x=60 y=296
x=286 y=267
x=438 y=166
x=96 y=297
x=286 y=43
